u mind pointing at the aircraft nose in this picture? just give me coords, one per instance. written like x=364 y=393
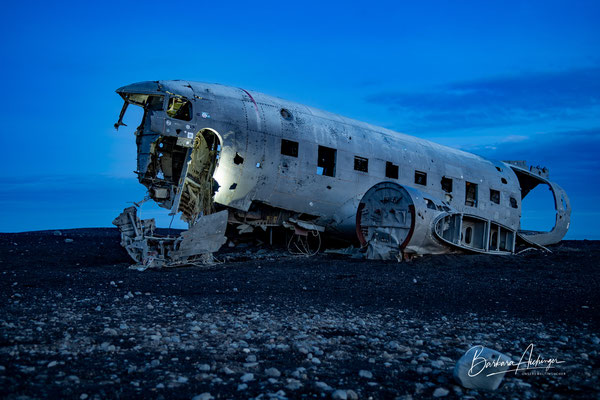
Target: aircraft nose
x=140 y=87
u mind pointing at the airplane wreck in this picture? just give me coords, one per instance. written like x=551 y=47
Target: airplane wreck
x=227 y=157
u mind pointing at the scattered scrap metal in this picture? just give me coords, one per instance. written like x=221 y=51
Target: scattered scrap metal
x=194 y=246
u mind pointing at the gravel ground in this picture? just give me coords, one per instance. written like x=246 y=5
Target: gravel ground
x=75 y=322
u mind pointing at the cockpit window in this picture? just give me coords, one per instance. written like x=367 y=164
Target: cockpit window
x=150 y=102
x=180 y=108
x=155 y=103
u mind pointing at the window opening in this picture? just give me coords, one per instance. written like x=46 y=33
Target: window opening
x=420 y=178
x=326 y=161
x=179 y=108
x=494 y=196
x=468 y=234
x=361 y=164
x=471 y=194
x=289 y=148
x=391 y=170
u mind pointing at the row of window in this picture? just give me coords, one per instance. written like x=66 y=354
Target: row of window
x=327 y=160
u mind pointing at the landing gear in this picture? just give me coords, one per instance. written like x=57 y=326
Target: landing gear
x=306 y=243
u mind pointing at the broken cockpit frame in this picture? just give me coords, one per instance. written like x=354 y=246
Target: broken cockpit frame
x=178 y=172
x=149 y=250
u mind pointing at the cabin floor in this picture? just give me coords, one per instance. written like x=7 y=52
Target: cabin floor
x=75 y=322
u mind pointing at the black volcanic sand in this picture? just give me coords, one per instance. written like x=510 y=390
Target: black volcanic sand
x=75 y=322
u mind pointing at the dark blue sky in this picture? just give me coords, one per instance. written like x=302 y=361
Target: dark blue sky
x=506 y=79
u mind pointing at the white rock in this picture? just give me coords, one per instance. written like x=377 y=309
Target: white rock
x=352 y=395
x=203 y=396
x=323 y=386
x=52 y=364
x=423 y=370
x=242 y=386
x=440 y=392
x=250 y=365
x=273 y=372
x=110 y=332
x=204 y=367
x=365 y=374
x=293 y=384
x=339 y=395
x=247 y=377
x=394 y=345
x=471 y=372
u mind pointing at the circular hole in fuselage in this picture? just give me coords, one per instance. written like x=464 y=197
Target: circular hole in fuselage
x=286 y=114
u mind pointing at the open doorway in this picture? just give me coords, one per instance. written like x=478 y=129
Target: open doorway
x=198 y=186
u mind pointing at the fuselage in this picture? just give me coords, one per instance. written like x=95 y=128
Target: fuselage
x=315 y=163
